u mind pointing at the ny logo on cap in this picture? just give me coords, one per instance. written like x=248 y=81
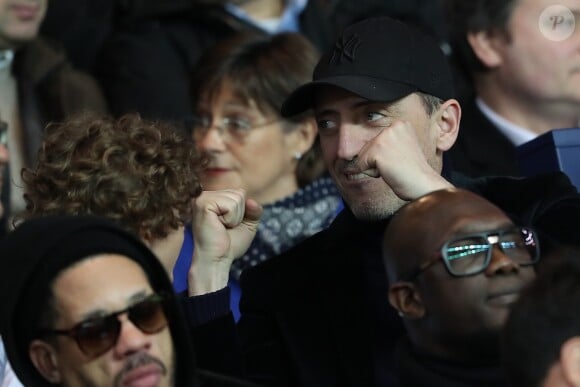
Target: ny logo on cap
x=345 y=48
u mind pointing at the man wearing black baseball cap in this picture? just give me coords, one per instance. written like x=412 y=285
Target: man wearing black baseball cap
x=318 y=315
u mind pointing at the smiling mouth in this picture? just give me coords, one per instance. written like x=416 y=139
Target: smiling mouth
x=355 y=176
x=371 y=172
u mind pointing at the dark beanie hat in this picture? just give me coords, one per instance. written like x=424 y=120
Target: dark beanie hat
x=31 y=258
x=380 y=59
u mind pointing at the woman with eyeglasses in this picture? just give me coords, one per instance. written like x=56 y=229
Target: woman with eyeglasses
x=238 y=89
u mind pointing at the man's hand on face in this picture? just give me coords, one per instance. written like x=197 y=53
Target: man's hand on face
x=396 y=156
x=224 y=224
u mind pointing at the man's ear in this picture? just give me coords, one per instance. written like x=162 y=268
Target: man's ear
x=44 y=358
x=406 y=299
x=447 y=119
x=570 y=360
x=486 y=46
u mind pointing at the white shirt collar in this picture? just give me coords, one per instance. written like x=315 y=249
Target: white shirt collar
x=289 y=21
x=516 y=134
x=6 y=58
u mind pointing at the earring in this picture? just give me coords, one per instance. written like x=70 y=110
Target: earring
x=297 y=156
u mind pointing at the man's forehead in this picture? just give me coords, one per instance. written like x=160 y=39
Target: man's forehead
x=446 y=214
x=81 y=286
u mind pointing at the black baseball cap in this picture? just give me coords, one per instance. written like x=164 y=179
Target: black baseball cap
x=380 y=59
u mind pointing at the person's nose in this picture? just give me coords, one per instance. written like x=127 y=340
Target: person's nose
x=500 y=263
x=348 y=145
x=131 y=339
x=212 y=139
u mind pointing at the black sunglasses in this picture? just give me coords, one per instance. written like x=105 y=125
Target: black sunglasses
x=96 y=336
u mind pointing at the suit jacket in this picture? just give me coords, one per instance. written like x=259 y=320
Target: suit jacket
x=481 y=149
x=306 y=317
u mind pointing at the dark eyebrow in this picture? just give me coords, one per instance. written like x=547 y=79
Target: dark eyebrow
x=97 y=313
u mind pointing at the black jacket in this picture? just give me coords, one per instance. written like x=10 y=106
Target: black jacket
x=306 y=315
x=481 y=149
x=146 y=65
x=420 y=370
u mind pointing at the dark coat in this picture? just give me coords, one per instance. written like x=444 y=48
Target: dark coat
x=49 y=89
x=420 y=370
x=146 y=66
x=306 y=316
x=481 y=149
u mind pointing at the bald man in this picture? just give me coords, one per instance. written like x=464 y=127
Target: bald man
x=455 y=264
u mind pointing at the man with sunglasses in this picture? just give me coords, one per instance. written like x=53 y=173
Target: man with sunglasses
x=85 y=303
x=455 y=263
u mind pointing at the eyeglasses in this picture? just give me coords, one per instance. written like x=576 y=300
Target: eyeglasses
x=96 y=336
x=471 y=254
x=230 y=128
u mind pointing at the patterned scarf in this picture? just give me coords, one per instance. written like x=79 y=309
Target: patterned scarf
x=289 y=221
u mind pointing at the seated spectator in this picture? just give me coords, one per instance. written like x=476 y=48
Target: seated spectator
x=146 y=66
x=383 y=141
x=238 y=89
x=141 y=174
x=37 y=86
x=524 y=79
x=541 y=338
x=144 y=176
x=455 y=264
x=62 y=326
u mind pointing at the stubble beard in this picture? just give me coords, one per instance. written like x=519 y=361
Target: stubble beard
x=375 y=208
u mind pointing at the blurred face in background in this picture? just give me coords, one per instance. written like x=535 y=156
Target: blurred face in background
x=531 y=62
x=19 y=21
x=248 y=148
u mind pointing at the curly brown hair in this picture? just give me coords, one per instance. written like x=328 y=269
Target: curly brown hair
x=141 y=174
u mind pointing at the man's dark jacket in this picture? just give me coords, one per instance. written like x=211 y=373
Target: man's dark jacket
x=306 y=315
x=146 y=65
x=481 y=149
x=421 y=370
